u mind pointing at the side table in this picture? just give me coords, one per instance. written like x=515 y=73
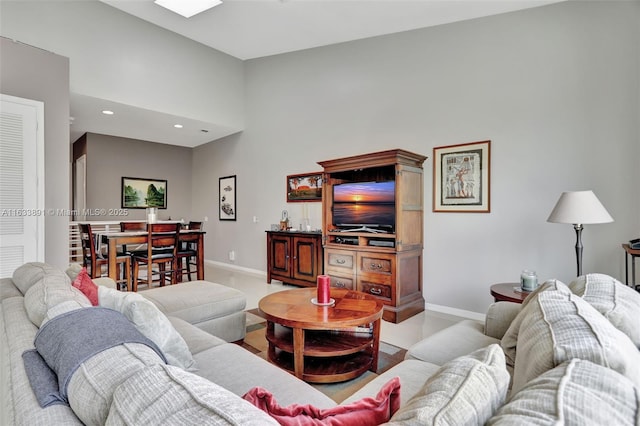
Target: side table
x=508 y=292
x=633 y=253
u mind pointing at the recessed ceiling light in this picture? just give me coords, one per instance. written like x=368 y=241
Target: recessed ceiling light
x=178 y=126
x=107 y=112
x=187 y=8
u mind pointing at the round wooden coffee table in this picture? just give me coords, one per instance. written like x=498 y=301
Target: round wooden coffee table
x=323 y=344
x=508 y=292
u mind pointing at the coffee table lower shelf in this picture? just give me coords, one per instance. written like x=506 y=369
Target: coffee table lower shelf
x=329 y=356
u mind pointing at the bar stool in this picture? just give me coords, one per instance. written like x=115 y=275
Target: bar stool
x=93 y=259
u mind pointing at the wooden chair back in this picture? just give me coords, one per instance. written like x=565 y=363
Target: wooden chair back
x=133 y=226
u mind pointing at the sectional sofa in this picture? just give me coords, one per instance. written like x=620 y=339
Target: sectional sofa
x=568 y=355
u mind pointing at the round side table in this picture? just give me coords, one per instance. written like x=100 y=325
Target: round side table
x=508 y=292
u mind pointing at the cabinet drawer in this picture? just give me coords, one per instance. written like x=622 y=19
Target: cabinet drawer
x=342 y=282
x=378 y=290
x=376 y=263
x=341 y=260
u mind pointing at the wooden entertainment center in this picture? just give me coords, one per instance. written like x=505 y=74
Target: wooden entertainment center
x=387 y=265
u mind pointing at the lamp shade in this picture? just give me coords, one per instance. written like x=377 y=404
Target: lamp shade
x=579 y=207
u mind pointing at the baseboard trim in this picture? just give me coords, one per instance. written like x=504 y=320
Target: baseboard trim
x=236 y=268
x=455 y=311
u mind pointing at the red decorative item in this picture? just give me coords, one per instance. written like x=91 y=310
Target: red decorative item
x=323 y=288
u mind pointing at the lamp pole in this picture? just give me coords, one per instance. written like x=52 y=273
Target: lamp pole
x=578 y=228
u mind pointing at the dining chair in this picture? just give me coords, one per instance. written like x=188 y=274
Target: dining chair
x=162 y=251
x=93 y=259
x=188 y=255
x=133 y=226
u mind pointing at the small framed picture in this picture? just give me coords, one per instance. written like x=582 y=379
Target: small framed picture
x=305 y=187
x=227 y=198
x=140 y=193
x=461 y=178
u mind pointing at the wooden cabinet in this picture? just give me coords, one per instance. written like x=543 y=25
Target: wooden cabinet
x=294 y=257
x=386 y=265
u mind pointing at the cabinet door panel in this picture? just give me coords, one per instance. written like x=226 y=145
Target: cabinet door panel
x=280 y=255
x=305 y=263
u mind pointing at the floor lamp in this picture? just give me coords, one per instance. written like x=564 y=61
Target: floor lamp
x=578 y=208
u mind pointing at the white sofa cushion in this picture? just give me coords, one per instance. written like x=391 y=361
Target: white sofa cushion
x=619 y=303
x=510 y=338
x=30 y=273
x=465 y=391
x=152 y=323
x=90 y=390
x=52 y=289
x=557 y=327
x=576 y=392
x=163 y=394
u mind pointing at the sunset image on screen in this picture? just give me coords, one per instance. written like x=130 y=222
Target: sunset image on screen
x=365 y=192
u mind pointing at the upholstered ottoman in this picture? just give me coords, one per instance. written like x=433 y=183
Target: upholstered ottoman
x=214 y=308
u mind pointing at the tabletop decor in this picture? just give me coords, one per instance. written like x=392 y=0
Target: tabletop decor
x=227 y=198
x=305 y=187
x=141 y=193
x=461 y=178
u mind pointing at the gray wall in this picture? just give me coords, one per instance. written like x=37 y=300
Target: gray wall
x=554 y=88
x=110 y=158
x=32 y=73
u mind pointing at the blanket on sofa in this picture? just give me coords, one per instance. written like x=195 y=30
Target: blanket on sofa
x=65 y=342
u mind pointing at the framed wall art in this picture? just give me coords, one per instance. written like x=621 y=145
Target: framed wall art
x=227 y=198
x=461 y=178
x=305 y=187
x=140 y=193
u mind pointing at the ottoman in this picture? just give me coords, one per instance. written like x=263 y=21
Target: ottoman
x=214 y=308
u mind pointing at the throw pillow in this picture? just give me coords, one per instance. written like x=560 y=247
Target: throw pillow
x=367 y=411
x=30 y=273
x=465 y=391
x=619 y=303
x=163 y=394
x=148 y=319
x=54 y=288
x=510 y=338
x=73 y=270
x=561 y=326
x=576 y=392
x=84 y=283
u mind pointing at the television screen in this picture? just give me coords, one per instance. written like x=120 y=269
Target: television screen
x=364 y=204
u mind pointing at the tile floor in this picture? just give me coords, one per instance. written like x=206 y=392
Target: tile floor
x=403 y=335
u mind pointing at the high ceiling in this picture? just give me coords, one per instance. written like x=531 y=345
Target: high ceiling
x=249 y=29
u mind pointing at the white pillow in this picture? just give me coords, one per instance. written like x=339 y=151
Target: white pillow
x=152 y=323
x=619 y=303
x=465 y=391
x=576 y=392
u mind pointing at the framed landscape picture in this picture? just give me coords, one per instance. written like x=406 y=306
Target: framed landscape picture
x=461 y=178
x=227 y=198
x=140 y=193
x=305 y=187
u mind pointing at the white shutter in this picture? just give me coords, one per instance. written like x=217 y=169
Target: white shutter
x=21 y=189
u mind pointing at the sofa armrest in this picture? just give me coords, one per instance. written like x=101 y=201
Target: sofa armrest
x=105 y=282
x=499 y=317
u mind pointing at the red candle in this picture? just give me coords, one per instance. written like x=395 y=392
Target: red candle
x=323 y=288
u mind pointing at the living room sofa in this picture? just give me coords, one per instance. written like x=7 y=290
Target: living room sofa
x=568 y=355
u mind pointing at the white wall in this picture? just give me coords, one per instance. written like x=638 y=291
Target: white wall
x=554 y=88
x=118 y=57
x=33 y=73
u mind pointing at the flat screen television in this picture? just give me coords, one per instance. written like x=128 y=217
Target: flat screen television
x=364 y=206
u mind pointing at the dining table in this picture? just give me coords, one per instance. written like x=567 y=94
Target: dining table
x=114 y=239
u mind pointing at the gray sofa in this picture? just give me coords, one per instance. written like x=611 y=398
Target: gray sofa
x=521 y=367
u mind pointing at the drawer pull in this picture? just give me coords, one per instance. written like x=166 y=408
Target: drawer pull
x=376 y=266
x=375 y=291
x=339 y=284
x=341 y=261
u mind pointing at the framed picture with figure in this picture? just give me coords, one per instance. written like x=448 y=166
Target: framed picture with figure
x=461 y=178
